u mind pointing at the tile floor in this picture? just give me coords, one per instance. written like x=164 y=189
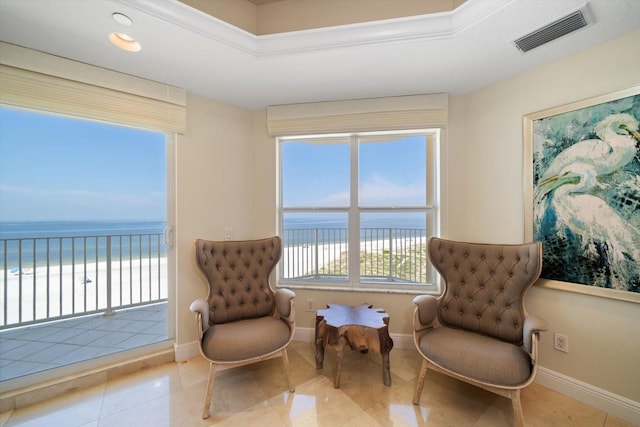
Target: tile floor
x=36 y=348
x=255 y=395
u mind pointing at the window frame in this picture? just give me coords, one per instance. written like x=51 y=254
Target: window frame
x=170 y=139
x=353 y=280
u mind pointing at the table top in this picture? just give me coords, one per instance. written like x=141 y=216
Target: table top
x=339 y=315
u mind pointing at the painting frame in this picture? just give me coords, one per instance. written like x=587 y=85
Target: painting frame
x=530 y=121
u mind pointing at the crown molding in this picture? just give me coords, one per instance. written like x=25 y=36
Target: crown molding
x=435 y=26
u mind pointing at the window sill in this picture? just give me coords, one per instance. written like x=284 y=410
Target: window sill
x=430 y=289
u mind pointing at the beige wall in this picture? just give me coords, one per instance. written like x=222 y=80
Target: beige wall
x=240 y=13
x=214 y=181
x=604 y=343
x=226 y=178
x=483 y=182
x=294 y=15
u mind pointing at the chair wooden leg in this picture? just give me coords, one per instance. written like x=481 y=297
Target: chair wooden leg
x=285 y=359
x=518 y=414
x=420 y=384
x=209 y=393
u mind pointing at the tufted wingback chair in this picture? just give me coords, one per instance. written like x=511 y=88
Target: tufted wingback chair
x=242 y=320
x=478 y=330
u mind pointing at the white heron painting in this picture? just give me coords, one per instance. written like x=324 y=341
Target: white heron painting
x=586 y=178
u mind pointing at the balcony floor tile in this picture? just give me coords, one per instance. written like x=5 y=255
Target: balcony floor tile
x=51 y=354
x=60 y=335
x=85 y=337
x=36 y=348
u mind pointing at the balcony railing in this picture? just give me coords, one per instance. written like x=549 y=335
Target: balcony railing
x=50 y=278
x=386 y=254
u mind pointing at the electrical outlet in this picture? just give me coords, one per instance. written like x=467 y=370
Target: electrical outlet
x=228 y=234
x=310 y=306
x=561 y=342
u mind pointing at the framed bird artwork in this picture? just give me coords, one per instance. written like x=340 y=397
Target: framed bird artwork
x=582 y=194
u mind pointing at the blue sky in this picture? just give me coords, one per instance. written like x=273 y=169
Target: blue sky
x=391 y=173
x=57 y=168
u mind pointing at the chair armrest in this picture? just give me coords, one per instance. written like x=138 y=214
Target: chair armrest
x=284 y=303
x=532 y=325
x=426 y=311
x=201 y=307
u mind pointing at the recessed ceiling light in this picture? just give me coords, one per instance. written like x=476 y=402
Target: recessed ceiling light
x=125 y=42
x=122 y=19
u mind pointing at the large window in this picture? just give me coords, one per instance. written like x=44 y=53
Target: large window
x=357 y=209
x=83 y=213
x=90 y=144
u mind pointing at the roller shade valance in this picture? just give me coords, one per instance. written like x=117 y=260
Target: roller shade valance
x=40 y=81
x=394 y=113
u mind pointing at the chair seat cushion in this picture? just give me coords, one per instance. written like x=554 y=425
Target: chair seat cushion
x=245 y=339
x=476 y=356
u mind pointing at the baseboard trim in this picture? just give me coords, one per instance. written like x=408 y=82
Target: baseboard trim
x=186 y=351
x=403 y=341
x=598 y=398
x=190 y=349
x=18 y=398
x=309 y=335
x=604 y=400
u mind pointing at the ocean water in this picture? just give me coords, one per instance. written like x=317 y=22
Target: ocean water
x=25 y=245
x=43 y=229
x=307 y=229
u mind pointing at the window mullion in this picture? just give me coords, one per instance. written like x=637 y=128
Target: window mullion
x=433 y=190
x=354 y=216
x=373 y=180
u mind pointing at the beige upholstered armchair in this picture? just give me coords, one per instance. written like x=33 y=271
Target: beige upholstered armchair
x=478 y=331
x=242 y=320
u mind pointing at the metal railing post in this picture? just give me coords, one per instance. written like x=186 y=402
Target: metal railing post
x=316 y=256
x=20 y=281
x=61 y=284
x=109 y=311
x=5 y=281
x=390 y=254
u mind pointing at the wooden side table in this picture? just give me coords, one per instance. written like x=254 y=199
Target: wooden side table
x=362 y=327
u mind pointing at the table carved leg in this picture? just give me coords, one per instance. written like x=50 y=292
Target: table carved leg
x=339 y=357
x=360 y=327
x=320 y=342
x=386 y=369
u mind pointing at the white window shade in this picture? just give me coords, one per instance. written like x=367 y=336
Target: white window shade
x=45 y=82
x=362 y=115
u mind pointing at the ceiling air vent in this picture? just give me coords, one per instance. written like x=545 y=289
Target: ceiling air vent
x=556 y=29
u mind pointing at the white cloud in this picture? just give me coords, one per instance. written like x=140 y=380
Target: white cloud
x=14 y=189
x=379 y=191
x=39 y=191
x=337 y=199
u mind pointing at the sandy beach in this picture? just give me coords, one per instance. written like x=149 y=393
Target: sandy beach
x=75 y=289
x=300 y=261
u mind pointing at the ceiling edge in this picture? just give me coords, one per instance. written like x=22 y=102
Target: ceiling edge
x=424 y=27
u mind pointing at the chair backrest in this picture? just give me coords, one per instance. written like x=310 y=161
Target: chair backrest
x=238 y=275
x=485 y=285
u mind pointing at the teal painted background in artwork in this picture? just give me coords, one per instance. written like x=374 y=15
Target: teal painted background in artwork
x=586 y=177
